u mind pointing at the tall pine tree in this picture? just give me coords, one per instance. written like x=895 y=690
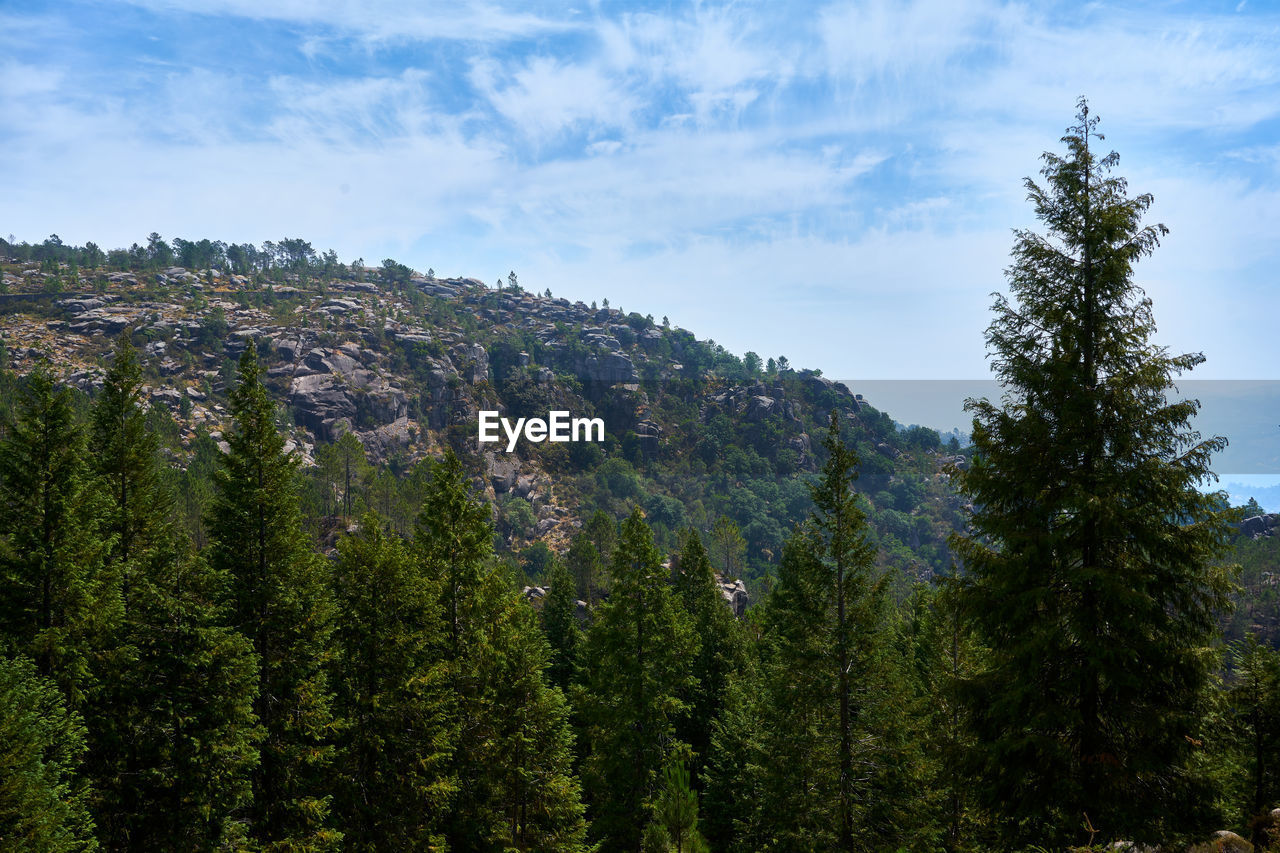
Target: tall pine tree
x=832 y=719
x=171 y=727
x=281 y=599
x=512 y=756
x=560 y=622
x=393 y=695
x=56 y=599
x=43 y=799
x=636 y=678
x=1090 y=561
x=721 y=645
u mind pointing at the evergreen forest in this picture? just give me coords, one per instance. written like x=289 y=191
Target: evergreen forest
x=261 y=589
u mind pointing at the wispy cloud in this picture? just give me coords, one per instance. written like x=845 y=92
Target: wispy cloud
x=833 y=181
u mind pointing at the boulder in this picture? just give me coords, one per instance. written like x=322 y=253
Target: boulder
x=735 y=594
x=760 y=407
x=502 y=469
x=480 y=363
x=1228 y=842
x=320 y=402
x=381 y=442
x=1258 y=526
x=649 y=434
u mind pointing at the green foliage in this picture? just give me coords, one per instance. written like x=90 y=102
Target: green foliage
x=635 y=675
x=1090 y=565
x=536 y=560
x=560 y=622
x=940 y=652
x=677 y=808
x=1254 y=701
x=55 y=598
x=827 y=663
x=281 y=600
x=589 y=553
x=172 y=731
x=123 y=451
x=43 y=803
x=393 y=696
x=513 y=754
x=344 y=473
x=721 y=644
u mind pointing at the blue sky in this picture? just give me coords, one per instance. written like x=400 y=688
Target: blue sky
x=832 y=182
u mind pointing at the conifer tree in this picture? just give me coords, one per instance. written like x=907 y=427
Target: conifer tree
x=584 y=564
x=636 y=673
x=1254 y=699
x=1089 y=565
x=721 y=644
x=173 y=734
x=735 y=816
x=56 y=601
x=832 y=717
x=171 y=727
x=941 y=653
x=399 y=721
x=560 y=622
x=589 y=556
x=281 y=599
x=677 y=808
x=512 y=758
x=123 y=454
x=43 y=799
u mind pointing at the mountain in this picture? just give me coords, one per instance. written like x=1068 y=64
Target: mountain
x=407 y=361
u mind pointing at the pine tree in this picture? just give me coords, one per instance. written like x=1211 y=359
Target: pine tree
x=43 y=800
x=636 y=671
x=677 y=808
x=512 y=757
x=1089 y=565
x=832 y=732
x=721 y=644
x=171 y=727
x=941 y=653
x=584 y=564
x=174 y=737
x=282 y=601
x=735 y=771
x=393 y=697
x=123 y=454
x=56 y=600
x=560 y=622
x=1254 y=699
x=589 y=555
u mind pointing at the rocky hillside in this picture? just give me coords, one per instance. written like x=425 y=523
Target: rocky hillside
x=405 y=361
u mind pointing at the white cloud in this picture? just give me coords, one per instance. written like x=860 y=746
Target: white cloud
x=381 y=20
x=545 y=96
x=837 y=185
x=19 y=81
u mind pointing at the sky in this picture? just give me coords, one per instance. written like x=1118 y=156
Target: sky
x=833 y=182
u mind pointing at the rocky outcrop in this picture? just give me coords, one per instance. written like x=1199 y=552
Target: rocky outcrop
x=503 y=470
x=321 y=403
x=1259 y=525
x=649 y=434
x=735 y=594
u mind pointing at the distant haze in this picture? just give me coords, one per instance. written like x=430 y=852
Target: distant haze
x=1246 y=411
